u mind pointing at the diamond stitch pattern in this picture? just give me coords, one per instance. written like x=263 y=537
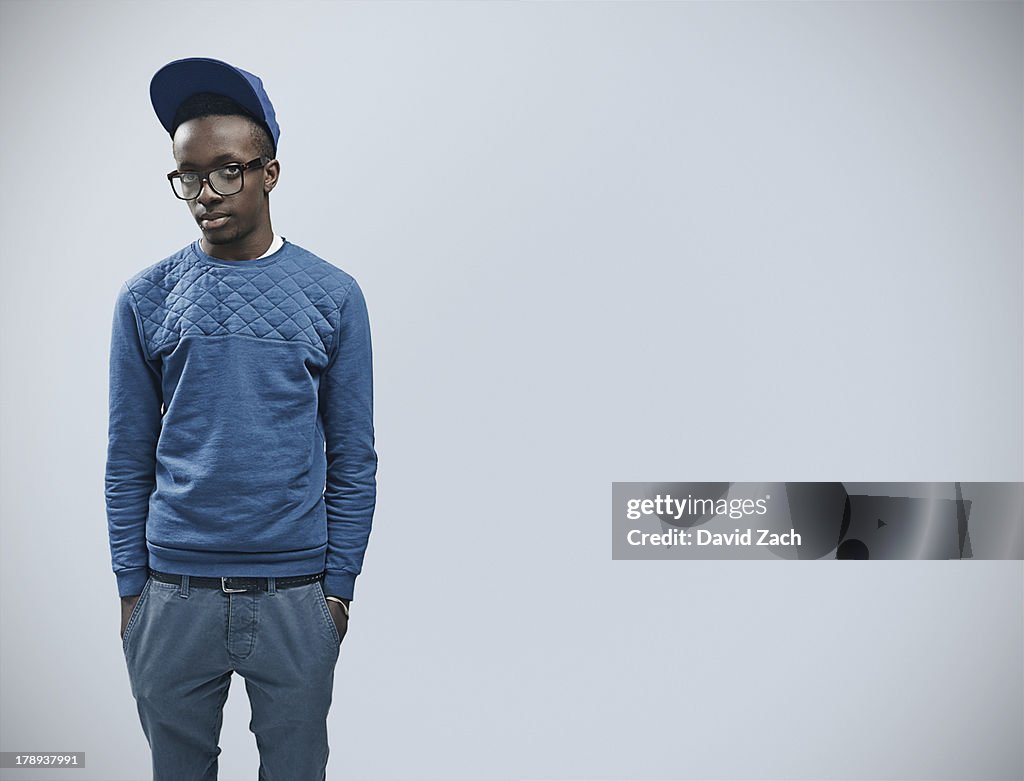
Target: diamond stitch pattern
x=297 y=298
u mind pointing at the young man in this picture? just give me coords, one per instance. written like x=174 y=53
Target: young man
x=241 y=469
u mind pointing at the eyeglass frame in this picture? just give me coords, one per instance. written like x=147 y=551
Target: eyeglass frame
x=204 y=176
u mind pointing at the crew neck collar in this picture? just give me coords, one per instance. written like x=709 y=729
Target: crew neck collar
x=266 y=260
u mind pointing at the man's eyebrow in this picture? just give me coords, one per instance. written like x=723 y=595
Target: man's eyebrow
x=225 y=158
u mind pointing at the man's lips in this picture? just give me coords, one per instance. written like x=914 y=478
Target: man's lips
x=210 y=221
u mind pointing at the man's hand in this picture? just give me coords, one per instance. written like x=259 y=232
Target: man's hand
x=127 y=606
x=338 y=614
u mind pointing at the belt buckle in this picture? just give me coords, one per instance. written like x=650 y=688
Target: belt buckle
x=226 y=590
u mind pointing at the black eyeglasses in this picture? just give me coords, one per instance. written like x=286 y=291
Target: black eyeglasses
x=227 y=180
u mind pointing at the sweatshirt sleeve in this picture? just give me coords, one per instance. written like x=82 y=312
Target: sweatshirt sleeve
x=133 y=429
x=346 y=408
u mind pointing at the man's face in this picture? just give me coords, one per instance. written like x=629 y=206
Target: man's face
x=206 y=143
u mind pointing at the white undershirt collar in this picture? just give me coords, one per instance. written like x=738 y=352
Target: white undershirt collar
x=275 y=245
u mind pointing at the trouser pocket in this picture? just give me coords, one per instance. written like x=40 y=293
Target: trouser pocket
x=140 y=603
x=332 y=627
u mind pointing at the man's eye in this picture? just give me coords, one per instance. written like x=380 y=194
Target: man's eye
x=231 y=170
x=189 y=178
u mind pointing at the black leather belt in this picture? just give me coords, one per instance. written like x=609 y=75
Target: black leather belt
x=232 y=585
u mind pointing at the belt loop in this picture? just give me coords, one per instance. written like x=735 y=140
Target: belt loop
x=183 y=593
x=271 y=587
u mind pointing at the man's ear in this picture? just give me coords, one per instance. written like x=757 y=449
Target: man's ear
x=271 y=172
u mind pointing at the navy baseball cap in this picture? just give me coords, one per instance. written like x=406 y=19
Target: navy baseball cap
x=181 y=79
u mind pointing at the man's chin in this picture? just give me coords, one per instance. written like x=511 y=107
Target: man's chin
x=220 y=237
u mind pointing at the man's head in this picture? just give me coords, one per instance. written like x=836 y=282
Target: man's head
x=216 y=113
x=210 y=131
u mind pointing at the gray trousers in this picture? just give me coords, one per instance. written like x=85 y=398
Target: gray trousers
x=181 y=646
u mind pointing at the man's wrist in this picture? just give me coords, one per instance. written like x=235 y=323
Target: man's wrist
x=342 y=601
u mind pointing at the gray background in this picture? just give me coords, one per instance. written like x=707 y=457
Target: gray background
x=599 y=242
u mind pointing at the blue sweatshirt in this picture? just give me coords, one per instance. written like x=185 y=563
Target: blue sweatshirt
x=241 y=420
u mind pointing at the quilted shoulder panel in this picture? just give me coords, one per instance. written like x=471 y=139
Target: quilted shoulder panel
x=296 y=298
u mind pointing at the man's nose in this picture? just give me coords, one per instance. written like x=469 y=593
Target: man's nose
x=206 y=193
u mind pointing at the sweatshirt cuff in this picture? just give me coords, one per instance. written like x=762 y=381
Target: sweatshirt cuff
x=339 y=584
x=130 y=582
